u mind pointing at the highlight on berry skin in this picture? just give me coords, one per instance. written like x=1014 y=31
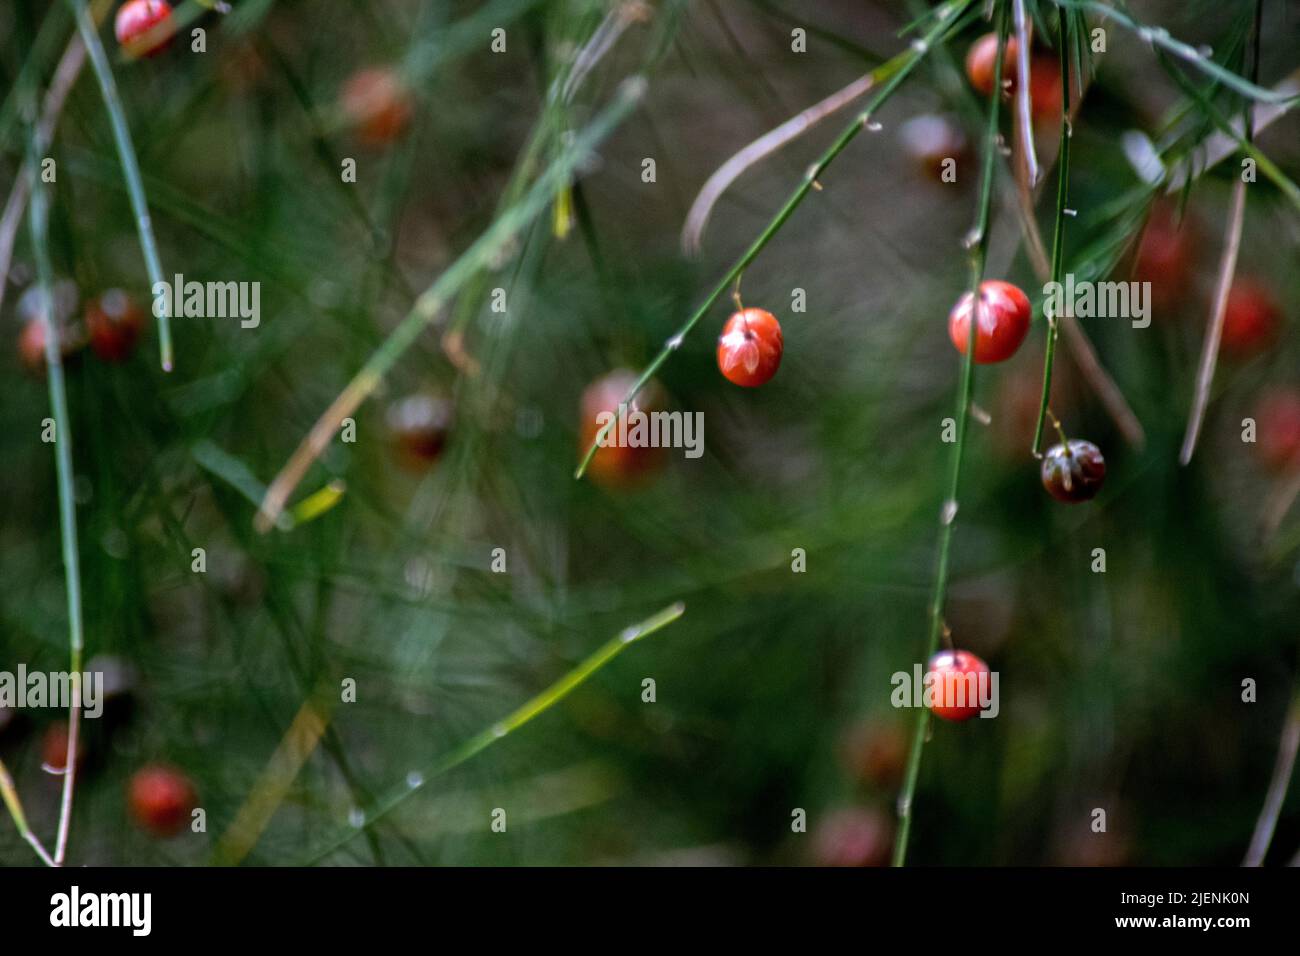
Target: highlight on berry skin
x=143 y=27
x=1073 y=472
x=1004 y=314
x=749 y=349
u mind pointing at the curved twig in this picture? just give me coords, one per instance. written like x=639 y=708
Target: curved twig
x=1277 y=788
x=697 y=219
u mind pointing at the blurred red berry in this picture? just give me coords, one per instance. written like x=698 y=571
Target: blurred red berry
x=852 y=836
x=1045 y=98
x=135 y=19
x=982 y=57
x=875 y=753
x=114 y=322
x=1165 y=257
x=1073 y=472
x=1250 y=319
x=1277 y=429
x=749 y=349
x=1003 y=323
x=930 y=139
x=957 y=684
x=161 y=799
x=614 y=465
x=377 y=102
x=420 y=424
x=54 y=747
x=31 y=345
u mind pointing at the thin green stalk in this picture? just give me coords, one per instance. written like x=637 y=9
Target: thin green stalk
x=130 y=171
x=486 y=250
x=979 y=240
x=9 y=794
x=1058 y=231
x=38 y=214
x=943 y=24
x=489 y=735
x=1266 y=166
x=1159 y=37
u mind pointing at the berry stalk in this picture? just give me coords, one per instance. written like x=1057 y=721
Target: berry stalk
x=946 y=22
x=965 y=390
x=38 y=214
x=1058 y=230
x=130 y=169
x=489 y=735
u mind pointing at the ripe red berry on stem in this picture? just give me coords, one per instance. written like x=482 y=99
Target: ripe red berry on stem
x=134 y=22
x=160 y=799
x=956 y=691
x=749 y=349
x=1004 y=313
x=1073 y=472
x=1277 y=429
x=378 y=103
x=114 y=322
x=1250 y=319
x=614 y=465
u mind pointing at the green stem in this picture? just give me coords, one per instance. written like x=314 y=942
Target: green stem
x=38 y=214
x=965 y=390
x=1159 y=37
x=9 y=795
x=489 y=735
x=946 y=19
x=1058 y=231
x=130 y=171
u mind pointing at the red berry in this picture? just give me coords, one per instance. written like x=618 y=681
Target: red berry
x=31 y=345
x=113 y=323
x=1250 y=319
x=420 y=424
x=1277 y=424
x=616 y=465
x=1004 y=314
x=749 y=349
x=930 y=139
x=377 y=102
x=134 y=23
x=875 y=753
x=853 y=836
x=983 y=56
x=54 y=747
x=1074 y=472
x=957 y=684
x=1044 y=74
x=161 y=799
x=1165 y=258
